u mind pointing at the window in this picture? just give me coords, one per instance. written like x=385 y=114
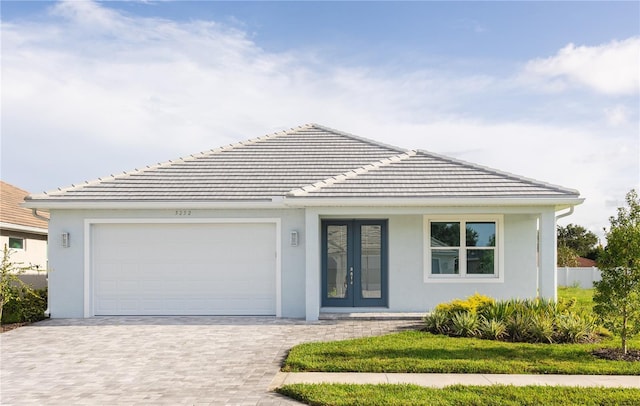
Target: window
x=462 y=248
x=16 y=243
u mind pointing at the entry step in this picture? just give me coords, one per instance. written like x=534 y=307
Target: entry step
x=371 y=316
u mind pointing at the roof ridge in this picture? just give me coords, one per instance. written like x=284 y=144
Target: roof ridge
x=356 y=137
x=301 y=191
x=501 y=173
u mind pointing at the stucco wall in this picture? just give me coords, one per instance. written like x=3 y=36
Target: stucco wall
x=66 y=280
x=35 y=251
x=408 y=292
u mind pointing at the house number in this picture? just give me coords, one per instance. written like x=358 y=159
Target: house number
x=183 y=212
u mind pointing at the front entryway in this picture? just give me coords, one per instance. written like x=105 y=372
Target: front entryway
x=354 y=263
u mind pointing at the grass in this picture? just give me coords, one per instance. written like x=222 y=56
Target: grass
x=393 y=395
x=415 y=351
x=584 y=297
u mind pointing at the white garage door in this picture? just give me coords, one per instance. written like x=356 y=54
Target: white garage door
x=184 y=269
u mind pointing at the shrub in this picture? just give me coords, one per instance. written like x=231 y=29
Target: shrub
x=25 y=307
x=576 y=328
x=567 y=305
x=519 y=326
x=465 y=324
x=535 y=321
x=492 y=329
x=12 y=288
x=501 y=310
x=470 y=304
x=542 y=329
x=438 y=322
x=541 y=306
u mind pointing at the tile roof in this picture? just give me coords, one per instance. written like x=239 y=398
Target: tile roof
x=10 y=211
x=586 y=262
x=308 y=161
x=420 y=174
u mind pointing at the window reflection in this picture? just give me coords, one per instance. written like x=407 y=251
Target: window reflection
x=370 y=261
x=337 y=261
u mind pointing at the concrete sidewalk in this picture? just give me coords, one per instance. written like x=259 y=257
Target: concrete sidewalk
x=442 y=380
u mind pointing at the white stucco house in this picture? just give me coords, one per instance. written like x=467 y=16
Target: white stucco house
x=296 y=224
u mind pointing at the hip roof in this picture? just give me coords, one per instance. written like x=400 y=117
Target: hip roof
x=307 y=161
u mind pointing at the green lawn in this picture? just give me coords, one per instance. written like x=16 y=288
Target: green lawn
x=392 y=395
x=416 y=351
x=584 y=297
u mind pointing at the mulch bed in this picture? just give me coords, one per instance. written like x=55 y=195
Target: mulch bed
x=11 y=326
x=616 y=354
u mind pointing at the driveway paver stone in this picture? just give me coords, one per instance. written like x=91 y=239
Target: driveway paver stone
x=160 y=360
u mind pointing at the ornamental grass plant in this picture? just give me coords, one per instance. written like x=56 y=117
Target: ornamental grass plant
x=516 y=320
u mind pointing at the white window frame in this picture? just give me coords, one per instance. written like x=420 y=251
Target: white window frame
x=24 y=243
x=462 y=276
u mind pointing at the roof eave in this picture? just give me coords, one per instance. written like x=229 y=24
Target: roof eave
x=558 y=202
x=300 y=202
x=22 y=228
x=49 y=204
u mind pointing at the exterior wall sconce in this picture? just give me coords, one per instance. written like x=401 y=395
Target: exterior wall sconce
x=66 y=243
x=294 y=238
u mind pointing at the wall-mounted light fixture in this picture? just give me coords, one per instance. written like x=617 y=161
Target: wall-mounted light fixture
x=66 y=243
x=293 y=238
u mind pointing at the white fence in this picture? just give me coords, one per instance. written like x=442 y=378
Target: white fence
x=37 y=281
x=581 y=277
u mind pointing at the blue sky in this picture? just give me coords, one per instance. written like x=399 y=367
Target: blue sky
x=548 y=90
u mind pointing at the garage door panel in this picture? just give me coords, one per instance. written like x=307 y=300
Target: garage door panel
x=173 y=269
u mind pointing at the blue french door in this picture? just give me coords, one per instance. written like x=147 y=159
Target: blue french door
x=354 y=263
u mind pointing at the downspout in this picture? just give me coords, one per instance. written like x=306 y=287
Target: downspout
x=559 y=216
x=570 y=212
x=47 y=313
x=36 y=215
x=540 y=243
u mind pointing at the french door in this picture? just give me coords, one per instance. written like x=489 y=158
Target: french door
x=354 y=263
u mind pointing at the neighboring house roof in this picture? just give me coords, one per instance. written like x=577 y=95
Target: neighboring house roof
x=586 y=262
x=308 y=161
x=13 y=216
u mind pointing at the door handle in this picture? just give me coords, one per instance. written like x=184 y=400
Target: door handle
x=351 y=272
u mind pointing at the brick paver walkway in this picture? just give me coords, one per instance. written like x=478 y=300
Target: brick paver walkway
x=159 y=360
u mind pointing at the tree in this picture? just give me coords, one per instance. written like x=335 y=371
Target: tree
x=11 y=287
x=577 y=238
x=617 y=296
x=595 y=253
x=575 y=241
x=567 y=256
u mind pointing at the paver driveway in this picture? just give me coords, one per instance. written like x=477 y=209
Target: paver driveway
x=159 y=360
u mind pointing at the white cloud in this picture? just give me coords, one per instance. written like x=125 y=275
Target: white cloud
x=127 y=81
x=617 y=115
x=610 y=68
x=94 y=92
